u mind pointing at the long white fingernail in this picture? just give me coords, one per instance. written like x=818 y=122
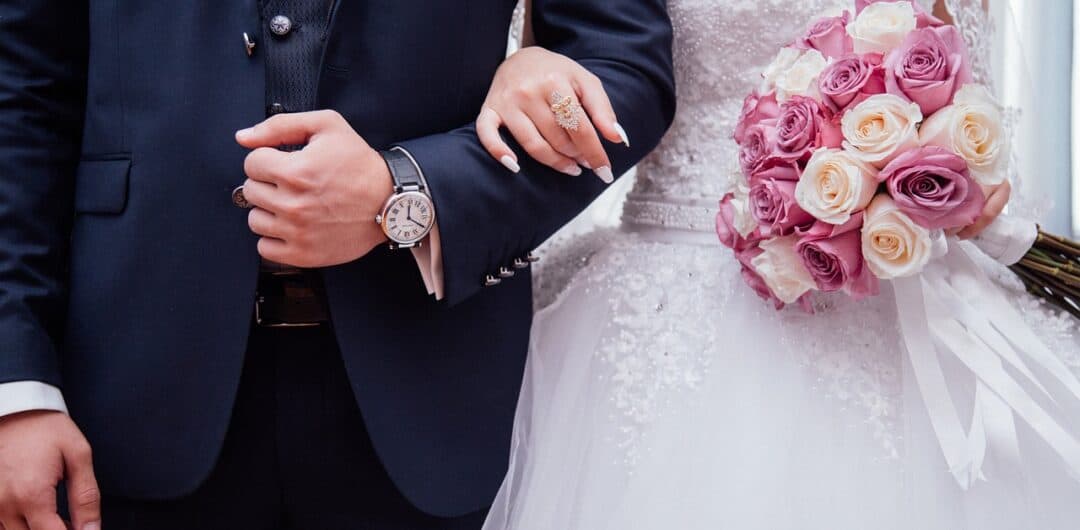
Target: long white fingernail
x=605 y=174
x=510 y=163
x=573 y=170
x=622 y=134
x=584 y=163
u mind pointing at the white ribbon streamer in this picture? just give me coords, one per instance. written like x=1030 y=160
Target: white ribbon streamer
x=956 y=306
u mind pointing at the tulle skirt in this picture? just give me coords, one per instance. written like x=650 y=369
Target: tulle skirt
x=661 y=393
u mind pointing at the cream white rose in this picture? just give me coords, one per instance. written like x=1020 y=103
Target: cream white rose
x=779 y=65
x=882 y=26
x=835 y=185
x=880 y=128
x=973 y=128
x=892 y=244
x=782 y=269
x=801 y=79
x=744 y=220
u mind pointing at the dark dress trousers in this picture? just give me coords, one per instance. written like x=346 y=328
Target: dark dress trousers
x=127 y=276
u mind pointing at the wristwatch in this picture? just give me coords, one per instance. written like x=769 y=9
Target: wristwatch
x=409 y=214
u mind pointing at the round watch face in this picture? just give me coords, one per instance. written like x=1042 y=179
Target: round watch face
x=408 y=217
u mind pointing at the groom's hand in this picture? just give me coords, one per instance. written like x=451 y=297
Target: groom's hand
x=38 y=449
x=314 y=207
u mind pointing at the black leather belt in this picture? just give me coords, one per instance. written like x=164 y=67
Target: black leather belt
x=292 y=299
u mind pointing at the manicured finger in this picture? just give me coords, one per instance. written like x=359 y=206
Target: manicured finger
x=487 y=128
x=84 y=497
x=587 y=141
x=288 y=129
x=267 y=164
x=539 y=111
x=597 y=104
x=588 y=150
x=995 y=204
x=266 y=224
x=525 y=132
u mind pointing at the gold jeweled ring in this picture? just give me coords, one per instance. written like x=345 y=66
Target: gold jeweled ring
x=567 y=111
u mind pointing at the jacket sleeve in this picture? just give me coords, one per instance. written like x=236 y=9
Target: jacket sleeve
x=488 y=216
x=43 y=46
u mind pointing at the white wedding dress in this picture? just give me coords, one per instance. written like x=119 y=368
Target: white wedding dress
x=661 y=393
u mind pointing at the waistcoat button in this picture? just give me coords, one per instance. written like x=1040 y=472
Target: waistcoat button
x=280 y=25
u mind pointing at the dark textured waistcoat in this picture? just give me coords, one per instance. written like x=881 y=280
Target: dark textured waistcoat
x=293 y=42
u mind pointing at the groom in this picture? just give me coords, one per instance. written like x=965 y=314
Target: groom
x=259 y=356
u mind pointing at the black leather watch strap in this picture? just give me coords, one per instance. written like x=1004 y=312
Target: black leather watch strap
x=403 y=170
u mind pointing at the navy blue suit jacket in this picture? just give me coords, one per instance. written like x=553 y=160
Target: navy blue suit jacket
x=127 y=276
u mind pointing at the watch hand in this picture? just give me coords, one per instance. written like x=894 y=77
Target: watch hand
x=417 y=223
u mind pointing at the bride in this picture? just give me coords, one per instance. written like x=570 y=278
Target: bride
x=661 y=393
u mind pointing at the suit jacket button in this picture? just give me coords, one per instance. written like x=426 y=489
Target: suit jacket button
x=275 y=108
x=532 y=258
x=505 y=272
x=520 y=263
x=491 y=281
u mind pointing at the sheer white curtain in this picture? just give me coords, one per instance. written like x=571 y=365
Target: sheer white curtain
x=1035 y=73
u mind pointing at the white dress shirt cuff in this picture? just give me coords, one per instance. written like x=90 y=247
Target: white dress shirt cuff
x=429 y=259
x=24 y=396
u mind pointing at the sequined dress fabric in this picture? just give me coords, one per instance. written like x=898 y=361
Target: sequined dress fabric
x=662 y=393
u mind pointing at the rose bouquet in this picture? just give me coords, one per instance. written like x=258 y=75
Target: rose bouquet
x=865 y=145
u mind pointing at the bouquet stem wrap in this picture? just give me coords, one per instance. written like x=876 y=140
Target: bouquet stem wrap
x=1048 y=265
x=953 y=308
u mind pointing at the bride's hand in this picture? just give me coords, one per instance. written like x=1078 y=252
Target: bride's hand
x=520 y=99
x=996 y=199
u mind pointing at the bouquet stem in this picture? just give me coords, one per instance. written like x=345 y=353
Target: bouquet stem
x=1051 y=270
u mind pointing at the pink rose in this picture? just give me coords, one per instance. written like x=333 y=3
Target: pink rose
x=922 y=18
x=758 y=146
x=850 y=80
x=829 y=36
x=929 y=67
x=803 y=127
x=727 y=227
x=756 y=109
x=833 y=255
x=933 y=187
x=773 y=205
x=775 y=169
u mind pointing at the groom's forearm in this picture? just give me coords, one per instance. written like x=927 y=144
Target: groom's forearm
x=488 y=217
